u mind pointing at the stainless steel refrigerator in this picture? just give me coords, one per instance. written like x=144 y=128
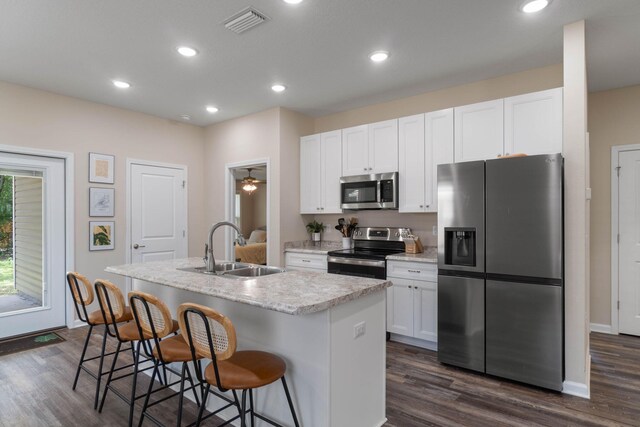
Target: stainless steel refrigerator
x=501 y=268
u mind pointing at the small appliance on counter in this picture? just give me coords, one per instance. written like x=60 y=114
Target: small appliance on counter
x=367 y=258
x=501 y=268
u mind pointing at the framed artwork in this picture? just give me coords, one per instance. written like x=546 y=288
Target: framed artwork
x=101 y=201
x=101 y=168
x=101 y=235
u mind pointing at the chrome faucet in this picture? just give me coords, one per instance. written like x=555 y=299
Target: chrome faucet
x=209 y=260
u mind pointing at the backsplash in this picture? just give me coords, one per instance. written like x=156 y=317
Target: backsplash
x=420 y=223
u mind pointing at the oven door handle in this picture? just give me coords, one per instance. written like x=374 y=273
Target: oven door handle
x=351 y=261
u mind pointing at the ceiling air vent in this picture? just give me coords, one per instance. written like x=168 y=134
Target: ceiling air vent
x=245 y=20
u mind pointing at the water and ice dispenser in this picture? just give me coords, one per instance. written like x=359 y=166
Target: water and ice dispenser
x=460 y=246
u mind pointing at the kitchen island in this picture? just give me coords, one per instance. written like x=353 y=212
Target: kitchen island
x=330 y=329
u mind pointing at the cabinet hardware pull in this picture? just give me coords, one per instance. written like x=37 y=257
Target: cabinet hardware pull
x=306 y=260
x=136 y=246
x=413 y=271
x=421 y=206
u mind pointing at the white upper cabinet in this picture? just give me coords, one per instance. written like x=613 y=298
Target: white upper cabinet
x=479 y=131
x=439 y=151
x=355 y=150
x=320 y=169
x=533 y=123
x=331 y=169
x=411 y=164
x=425 y=141
x=383 y=146
x=370 y=148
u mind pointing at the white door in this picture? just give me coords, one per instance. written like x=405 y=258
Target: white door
x=400 y=307
x=158 y=213
x=479 y=131
x=355 y=151
x=438 y=150
x=383 y=146
x=310 y=175
x=425 y=309
x=331 y=171
x=533 y=123
x=33 y=292
x=629 y=246
x=411 y=164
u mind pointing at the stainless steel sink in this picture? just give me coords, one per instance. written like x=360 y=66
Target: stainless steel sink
x=221 y=268
x=257 y=271
x=236 y=270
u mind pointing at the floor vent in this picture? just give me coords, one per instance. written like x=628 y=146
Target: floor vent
x=245 y=20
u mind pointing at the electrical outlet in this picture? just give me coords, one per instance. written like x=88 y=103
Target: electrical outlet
x=359 y=329
x=434 y=230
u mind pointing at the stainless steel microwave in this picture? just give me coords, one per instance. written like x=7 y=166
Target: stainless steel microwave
x=374 y=191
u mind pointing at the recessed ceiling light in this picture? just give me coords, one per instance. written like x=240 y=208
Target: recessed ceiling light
x=185 y=117
x=186 y=51
x=379 y=56
x=211 y=109
x=278 y=88
x=534 y=6
x=292 y=1
x=121 y=84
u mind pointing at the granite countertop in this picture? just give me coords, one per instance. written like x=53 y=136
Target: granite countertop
x=430 y=255
x=292 y=292
x=310 y=247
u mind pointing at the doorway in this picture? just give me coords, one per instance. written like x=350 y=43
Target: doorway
x=32 y=243
x=248 y=208
x=625 y=199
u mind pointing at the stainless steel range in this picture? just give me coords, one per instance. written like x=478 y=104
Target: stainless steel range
x=368 y=256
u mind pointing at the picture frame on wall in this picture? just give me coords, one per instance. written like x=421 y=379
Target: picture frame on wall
x=101 y=235
x=101 y=168
x=101 y=201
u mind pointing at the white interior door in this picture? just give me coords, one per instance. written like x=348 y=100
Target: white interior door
x=158 y=213
x=629 y=246
x=33 y=266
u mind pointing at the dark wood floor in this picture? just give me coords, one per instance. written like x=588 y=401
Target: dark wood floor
x=35 y=390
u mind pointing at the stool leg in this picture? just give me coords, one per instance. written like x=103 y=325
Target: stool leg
x=243 y=408
x=113 y=365
x=133 y=387
x=104 y=345
x=84 y=351
x=184 y=367
x=204 y=403
x=193 y=387
x=293 y=411
x=253 y=418
x=146 y=399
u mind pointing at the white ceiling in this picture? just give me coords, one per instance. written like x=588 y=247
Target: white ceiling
x=318 y=49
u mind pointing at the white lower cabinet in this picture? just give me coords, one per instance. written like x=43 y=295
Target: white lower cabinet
x=305 y=261
x=412 y=301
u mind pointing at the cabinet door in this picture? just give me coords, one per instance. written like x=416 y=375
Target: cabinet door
x=533 y=123
x=479 y=131
x=400 y=307
x=383 y=146
x=439 y=151
x=411 y=164
x=355 y=151
x=310 y=175
x=425 y=310
x=331 y=167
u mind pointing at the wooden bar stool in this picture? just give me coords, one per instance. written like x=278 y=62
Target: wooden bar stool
x=211 y=335
x=153 y=319
x=112 y=303
x=83 y=296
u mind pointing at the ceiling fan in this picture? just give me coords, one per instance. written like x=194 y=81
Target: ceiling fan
x=249 y=182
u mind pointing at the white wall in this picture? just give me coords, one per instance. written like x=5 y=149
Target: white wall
x=37 y=119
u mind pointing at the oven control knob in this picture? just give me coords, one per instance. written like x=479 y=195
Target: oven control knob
x=397 y=234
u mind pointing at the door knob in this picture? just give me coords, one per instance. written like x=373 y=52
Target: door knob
x=136 y=246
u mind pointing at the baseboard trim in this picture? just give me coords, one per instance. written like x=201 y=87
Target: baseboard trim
x=576 y=389
x=428 y=345
x=76 y=324
x=599 y=327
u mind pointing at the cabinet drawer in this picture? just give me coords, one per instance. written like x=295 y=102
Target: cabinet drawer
x=296 y=259
x=412 y=270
